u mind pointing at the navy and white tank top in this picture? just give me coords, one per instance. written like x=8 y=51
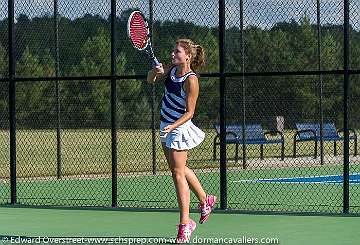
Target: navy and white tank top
x=173 y=104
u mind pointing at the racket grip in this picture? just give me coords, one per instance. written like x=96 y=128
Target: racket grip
x=155 y=62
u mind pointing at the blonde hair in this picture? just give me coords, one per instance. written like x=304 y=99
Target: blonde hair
x=196 y=52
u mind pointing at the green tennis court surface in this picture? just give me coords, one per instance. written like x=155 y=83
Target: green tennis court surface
x=306 y=189
x=85 y=224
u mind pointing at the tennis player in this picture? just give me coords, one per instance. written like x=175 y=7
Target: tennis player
x=177 y=132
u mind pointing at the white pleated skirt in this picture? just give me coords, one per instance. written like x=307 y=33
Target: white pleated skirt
x=184 y=137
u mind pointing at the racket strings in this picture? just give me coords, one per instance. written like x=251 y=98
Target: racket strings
x=138 y=32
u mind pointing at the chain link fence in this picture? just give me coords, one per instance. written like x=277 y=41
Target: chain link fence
x=283 y=71
x=354 y=98
x=4 y=142
x=354 y=162
x=354 y=22
x=4 y=112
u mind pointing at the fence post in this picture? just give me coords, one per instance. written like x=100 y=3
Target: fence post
x=223 y=180
x=113 y=109
x=321 y=115
x=57 y=89
x=153 y=96
x=346 y=101
x=12 y=101
x=243 y=88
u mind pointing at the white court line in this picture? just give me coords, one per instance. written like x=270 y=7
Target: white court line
x=281 y=180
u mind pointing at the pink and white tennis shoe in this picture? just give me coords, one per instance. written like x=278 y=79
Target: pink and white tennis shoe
x=185 y=231
x=206 y=208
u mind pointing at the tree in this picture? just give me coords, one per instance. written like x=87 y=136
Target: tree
x=3 y=62
x=92 y=98
x=304 y=44
x=48 y=63
x=88 y=101
x=133 y=99
x=211 y=46
x=3 y=89
x=305 y=89
x=35 y=103
x=85 y=50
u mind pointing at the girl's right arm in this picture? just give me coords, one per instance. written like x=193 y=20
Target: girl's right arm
x=157 y=73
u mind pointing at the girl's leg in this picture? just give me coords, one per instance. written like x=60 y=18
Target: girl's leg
x=191 y=178
x=177 y=166
x=195 y=185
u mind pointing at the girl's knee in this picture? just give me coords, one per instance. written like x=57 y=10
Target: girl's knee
x=177 y=172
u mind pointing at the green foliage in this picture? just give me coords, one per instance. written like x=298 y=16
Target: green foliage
x=3 y=88
x=87 y=103
x=35 y=101
x=85 y=50
x=3 y=62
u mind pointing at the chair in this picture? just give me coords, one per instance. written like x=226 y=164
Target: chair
x=255 y=135
x=311 y=132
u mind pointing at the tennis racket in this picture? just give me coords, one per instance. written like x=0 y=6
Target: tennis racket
x=138 y=32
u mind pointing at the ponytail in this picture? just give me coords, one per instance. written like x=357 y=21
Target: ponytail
x=199 y=58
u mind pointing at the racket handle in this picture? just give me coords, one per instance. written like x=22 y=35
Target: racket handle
x=155 y=62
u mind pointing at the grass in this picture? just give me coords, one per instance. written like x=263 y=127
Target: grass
x=86 y=152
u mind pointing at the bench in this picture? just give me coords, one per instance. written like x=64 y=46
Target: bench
x=311 y=132
x=255 y=135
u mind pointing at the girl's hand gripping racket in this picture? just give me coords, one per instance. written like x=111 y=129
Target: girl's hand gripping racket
x=138 y=31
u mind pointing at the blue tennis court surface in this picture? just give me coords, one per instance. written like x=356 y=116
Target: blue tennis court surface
x=353 y=179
